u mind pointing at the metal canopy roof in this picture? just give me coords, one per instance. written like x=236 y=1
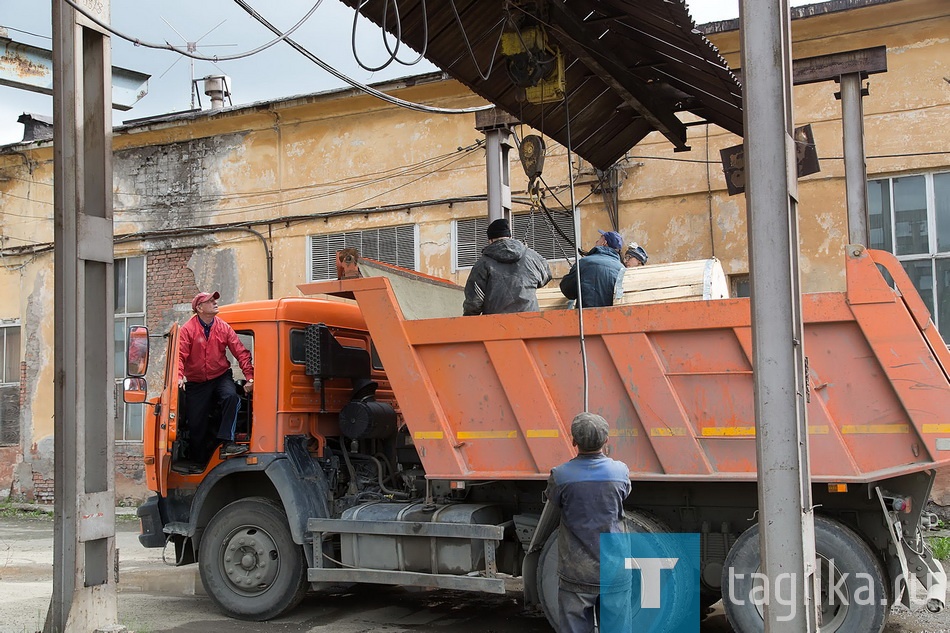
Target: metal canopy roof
x=630 y=65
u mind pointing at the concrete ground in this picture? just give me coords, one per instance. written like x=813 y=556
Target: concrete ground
x=157 y=598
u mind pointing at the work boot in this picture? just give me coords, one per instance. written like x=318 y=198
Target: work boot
x=231 y=449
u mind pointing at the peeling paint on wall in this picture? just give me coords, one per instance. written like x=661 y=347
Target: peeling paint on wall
x=217 y=270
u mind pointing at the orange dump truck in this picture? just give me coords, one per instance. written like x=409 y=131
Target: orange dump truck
x=415 y=452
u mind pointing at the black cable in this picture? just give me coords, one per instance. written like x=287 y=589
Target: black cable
x=392 y=53
x=45 y=37
x=261 y=206
x=468 y=45
x=367 y=89
x=185 y=52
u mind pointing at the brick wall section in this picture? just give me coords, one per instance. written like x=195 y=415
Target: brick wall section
x=42 y=489
x=128 y=461
x=168 y=282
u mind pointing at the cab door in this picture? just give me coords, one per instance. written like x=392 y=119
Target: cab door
x=164 y=422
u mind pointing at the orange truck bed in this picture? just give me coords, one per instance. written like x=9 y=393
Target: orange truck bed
x=492 y=397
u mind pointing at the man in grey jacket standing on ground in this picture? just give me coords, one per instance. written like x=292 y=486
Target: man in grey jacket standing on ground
x=589 y=490
x=506 y=277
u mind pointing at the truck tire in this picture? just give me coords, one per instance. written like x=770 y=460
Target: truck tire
x=249 y=564
x=856 y=607
x=548 y=580
x=636 y=522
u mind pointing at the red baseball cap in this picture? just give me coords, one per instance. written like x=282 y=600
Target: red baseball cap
x=201 y=297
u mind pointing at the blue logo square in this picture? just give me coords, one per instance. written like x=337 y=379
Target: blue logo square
x=649 y=583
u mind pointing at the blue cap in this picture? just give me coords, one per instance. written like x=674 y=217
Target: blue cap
x=613 y=239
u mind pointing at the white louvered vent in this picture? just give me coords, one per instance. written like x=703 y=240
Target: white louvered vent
x=391 y=244
x=534 y=229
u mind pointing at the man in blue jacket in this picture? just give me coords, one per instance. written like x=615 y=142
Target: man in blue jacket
x=589 y=490
x=598 y=272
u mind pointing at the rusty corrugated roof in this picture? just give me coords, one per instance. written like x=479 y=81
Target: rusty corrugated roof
x=630 y=65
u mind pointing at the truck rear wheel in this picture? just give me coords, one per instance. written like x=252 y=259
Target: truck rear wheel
x=852 y=592
x=249 y=563
x=636 y=522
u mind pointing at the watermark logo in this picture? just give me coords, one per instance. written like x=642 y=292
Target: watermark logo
x=649 y=583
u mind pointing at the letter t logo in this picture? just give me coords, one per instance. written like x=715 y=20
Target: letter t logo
x=650 y=578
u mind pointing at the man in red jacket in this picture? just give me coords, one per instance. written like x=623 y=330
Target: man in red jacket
x=205 y=373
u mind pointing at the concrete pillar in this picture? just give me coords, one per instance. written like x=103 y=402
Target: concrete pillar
x=84 y=556
x=786 y=523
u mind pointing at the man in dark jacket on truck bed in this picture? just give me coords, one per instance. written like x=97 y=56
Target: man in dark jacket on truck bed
x=506 y=277
x=598 y=272
x=589 y=490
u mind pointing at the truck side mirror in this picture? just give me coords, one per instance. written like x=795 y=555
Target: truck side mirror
x=136 y=352
x=134 y=390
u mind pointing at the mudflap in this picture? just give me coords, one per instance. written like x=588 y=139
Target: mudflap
x=303 y=488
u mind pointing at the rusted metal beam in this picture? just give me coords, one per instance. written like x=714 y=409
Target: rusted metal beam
x=574 y=36
x=863 y=61
x=31 y=68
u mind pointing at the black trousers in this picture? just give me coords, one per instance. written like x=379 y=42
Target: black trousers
x=200 y=398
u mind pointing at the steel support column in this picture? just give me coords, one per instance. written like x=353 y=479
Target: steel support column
x=855 y=167
x=785 y=518
x=497 y=145
x=496 y=125
x=84 y=562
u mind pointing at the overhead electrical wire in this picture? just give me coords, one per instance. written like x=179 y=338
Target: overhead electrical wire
x=393 y=52
x=352 y=184
x=282 y=36
x=405 y=184
x=494 y=55
x=184 y=51
x=285 y=203
x=231 y=211
x=10 y=28
x=417 y=107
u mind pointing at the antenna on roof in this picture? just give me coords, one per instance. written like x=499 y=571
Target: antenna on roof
x=191 y=47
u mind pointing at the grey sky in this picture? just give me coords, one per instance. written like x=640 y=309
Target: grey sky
x=277 y=72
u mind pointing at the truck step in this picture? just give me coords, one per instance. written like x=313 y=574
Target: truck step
x=176 y=528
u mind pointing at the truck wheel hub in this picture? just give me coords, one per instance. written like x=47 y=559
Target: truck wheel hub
x=250 y=560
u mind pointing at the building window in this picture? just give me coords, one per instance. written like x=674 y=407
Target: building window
x=910 y=217
x=10 y=385
x=129 y=311
x=534 y=229
x=739 y=285
x=391 y=244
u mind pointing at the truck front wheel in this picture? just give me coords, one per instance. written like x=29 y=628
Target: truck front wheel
x=249 y=563
x=852 y=594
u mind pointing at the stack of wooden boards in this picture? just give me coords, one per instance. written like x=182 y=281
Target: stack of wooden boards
x=658 y=283
x=424 y=297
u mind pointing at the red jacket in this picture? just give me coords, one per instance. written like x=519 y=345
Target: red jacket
x=202 y=358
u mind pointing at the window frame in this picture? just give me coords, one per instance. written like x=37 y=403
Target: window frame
x=5 y=378
x=128 y=414
x=933 y=255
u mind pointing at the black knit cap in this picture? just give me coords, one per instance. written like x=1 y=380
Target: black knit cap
x=499 y=228
x=589 y=431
